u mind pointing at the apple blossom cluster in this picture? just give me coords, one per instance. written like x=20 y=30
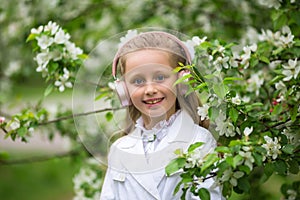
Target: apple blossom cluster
x=87 y=182
x=57 y=57
x=273 y=3
x=233 y=83
x=283 y=38
x=22 y=126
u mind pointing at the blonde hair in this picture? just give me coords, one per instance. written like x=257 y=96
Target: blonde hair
x=177 y=54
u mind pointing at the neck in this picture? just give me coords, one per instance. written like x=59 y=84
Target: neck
x=150 y=121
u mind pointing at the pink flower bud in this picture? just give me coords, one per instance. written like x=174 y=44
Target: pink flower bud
x=2 y=119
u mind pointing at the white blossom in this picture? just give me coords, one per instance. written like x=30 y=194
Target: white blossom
x=248 y=131
x=291 y=70
x=198 y=40
x=283 y=38
x=63 y=81
x=248 y=159
x=73 y=50
x=272 y=147
x=234 y=59
x=203 y=111
x=195 y=158
x=270 y=3
x=255 y=82
x=224 y=127
x=236 y=100
x=52 y=27
x=190 y=44
x=42 y=58
x=15 y=124
x=221 y=62
x=274 y=64
x=231 y=176
x=37 y=31
x=44 y=41
x=247 y=54
x=13 y=67
x=292 y=194
x=281 y=87
x=61 y=37
x=130 y=34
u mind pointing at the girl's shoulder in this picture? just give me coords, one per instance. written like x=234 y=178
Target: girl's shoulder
x=204 y=135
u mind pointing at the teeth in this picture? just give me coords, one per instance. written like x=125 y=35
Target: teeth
x=153 y=102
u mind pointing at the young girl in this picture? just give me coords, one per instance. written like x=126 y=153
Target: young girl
x=161 y=119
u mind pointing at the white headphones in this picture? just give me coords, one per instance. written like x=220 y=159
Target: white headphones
x=120 y=86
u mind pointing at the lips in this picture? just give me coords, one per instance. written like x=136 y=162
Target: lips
x=153 y=101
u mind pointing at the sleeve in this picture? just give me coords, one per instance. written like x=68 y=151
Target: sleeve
x=203 y=135
x=107 y=191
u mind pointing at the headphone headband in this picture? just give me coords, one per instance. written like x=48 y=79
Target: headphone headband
x=168 y=35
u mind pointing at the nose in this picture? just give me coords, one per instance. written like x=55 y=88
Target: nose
x=150 y=89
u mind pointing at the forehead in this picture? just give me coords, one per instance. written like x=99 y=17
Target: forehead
x=147 y=57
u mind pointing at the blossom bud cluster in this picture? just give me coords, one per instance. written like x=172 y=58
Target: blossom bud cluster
x=56 y=55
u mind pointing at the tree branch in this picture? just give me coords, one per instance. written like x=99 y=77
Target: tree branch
x=78 y=115
x=39 y=158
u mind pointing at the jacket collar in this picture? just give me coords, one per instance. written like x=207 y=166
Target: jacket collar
x=129 y=152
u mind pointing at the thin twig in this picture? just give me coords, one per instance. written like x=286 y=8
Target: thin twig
x=78 y=115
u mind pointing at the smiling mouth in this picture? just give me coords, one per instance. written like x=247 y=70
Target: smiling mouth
x=153 y=101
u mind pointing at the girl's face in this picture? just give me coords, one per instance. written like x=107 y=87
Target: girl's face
x=150 y=81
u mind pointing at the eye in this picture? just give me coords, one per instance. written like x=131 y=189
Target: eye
x=138 y=81
x=160 y=77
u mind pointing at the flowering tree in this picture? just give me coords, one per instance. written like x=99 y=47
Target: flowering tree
x=249 y=89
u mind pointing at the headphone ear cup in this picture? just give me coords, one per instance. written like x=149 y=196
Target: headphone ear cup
x=122 y=93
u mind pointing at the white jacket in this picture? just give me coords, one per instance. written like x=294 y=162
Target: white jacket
x=130 y=176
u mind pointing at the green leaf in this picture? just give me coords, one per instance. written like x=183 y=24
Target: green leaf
x=202 y=85
x=228 y=80
x=293 y=166
x=100 y=96
x=174 y=166
x=236 y=160
x=31 y=37
x=48 y=90
x=277 y=51
x=177 y=188
x=264 y=59
x=276 y=79
x=210 y=159
x=244 y=168
x=183 y=78
x=194 y=146
x=280 y=21
x=204 y=194
x=296 y=17
x=233 y=114
x=243 y=184
x=22 y=131
x=220 y=90
x=288 y=149
x=268 y=171
x=205 y=45
x=109 y=116
x=281 y=167
x=227 y=189
x=222 y=149
x=277 y=109
x=294 y=112
x=258 y=158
